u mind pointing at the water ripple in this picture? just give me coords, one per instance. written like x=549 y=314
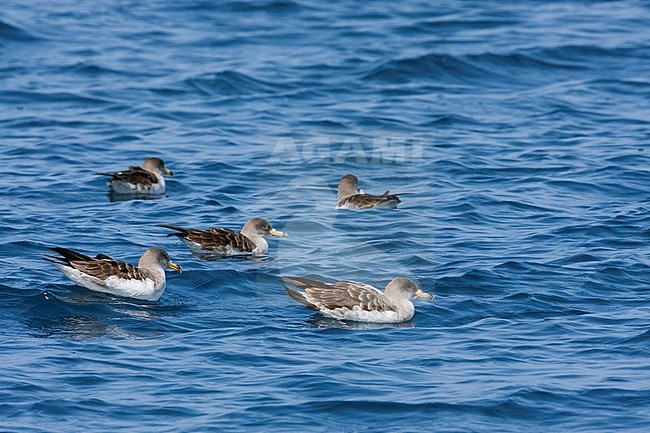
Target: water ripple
x=520 y=131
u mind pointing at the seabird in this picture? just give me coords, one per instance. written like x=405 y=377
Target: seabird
x=145 y=180
x=104 y=274
x=351 y=197
x=359 y=302
x=225 y=242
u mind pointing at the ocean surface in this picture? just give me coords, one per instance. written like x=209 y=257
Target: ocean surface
x=520 y=129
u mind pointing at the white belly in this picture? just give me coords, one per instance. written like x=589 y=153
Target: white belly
x=357 y=314
x=120 y=187
x=389 y=204
x=137 y=289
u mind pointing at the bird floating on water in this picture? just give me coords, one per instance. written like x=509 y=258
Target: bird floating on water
x=351 y=197
x=103 y=274
x=226 y=242
x=359 y=302
x=145 y=180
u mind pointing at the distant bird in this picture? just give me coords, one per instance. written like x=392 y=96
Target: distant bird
x=145 y=180
x=351 y=197
x=225 y=242
x=348 y=300
x=104 y=274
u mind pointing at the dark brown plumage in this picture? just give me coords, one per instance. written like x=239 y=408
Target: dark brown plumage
x=350 y=197
x=134 y=175
x=226 y=242
x=101 y=273
x=214 y=239
x=100 y=266
x=367 y=201
x=145 y=180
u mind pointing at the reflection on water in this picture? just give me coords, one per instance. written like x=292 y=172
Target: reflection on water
x=79 y=327
x=320 y=321
x=81 y=295
x=210 y=257
x=87 y=314
x=115 y=197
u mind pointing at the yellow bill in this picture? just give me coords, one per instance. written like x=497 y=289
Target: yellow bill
x=174 y=266
x=424 y=295
x=274 y=232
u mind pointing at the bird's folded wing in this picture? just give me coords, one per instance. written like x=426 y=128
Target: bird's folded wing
x=214 y=238
x=342 y=294
x=227 y=237
x=135 y=175
x=367 y=200
x=104 y=268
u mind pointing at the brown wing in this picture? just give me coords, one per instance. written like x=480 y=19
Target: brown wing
x=134 y=175
x=348 y=294
x=367 y=201
x=100 y=267
x=104 y=268
x=214 y=239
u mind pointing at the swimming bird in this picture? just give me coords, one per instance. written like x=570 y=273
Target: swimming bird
x=103 y=274
x=226 y=242
x=351 y=197
x=145 y=180
x=359 y=302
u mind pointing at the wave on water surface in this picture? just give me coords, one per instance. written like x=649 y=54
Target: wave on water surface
x=519 y=130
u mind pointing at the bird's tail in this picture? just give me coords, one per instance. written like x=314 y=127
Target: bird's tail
x=65 y=256
x=180 y=231
x=299 y=297
x=401 y=193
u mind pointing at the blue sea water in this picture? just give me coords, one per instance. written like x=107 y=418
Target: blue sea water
x=520 y=128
